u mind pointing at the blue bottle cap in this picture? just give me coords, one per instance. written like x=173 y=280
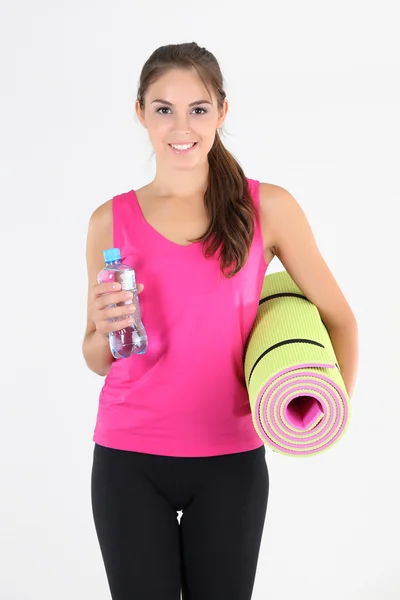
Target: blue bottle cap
x=111 y=255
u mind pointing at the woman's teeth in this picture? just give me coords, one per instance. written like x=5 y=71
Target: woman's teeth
x=182 y=146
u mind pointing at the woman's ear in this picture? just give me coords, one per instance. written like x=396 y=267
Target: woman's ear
x=222 y=114
x=140 y=113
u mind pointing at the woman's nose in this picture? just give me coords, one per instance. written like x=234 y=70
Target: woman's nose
x=181 y=125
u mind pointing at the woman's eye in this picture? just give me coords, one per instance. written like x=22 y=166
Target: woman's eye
x=162 y=109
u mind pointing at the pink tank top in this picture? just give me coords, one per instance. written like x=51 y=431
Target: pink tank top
x=186 y=396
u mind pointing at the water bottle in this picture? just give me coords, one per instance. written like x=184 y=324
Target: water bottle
x=133 y=339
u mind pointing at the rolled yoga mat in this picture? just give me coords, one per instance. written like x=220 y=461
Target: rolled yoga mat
x=298 y=400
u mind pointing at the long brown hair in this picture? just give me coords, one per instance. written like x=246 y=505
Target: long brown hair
x=228 y=202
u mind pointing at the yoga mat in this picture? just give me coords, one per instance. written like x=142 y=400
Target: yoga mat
x=299 y=402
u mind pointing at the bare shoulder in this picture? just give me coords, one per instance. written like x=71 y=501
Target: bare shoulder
x=280 y=213
x=269 y=191
x=99 y=237
x=100 y=230
x=276 y=201
x=284 y=223
x=101 y=217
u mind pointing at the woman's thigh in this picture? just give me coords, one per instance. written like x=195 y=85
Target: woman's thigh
x=221 y=529
x=137 y=529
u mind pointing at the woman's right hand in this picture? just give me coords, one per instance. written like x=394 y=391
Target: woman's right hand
x=103 y=294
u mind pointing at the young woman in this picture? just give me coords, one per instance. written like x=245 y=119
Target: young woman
x=174 y=431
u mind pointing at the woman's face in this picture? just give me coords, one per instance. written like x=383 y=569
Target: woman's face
x=181 y=118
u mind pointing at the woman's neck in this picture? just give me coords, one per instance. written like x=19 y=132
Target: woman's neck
x=181 y=183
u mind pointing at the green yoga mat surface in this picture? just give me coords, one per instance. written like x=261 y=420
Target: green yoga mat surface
x=299 y=402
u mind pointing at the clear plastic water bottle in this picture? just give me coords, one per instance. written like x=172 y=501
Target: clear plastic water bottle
x=133 y=339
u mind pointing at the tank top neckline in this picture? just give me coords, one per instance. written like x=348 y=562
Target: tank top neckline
x=156 y=233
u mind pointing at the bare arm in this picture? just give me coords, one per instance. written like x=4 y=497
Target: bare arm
x=288 y=234
x=95 y=348
x=97 y=353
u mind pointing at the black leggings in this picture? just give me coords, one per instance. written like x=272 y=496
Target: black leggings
x=211 y=554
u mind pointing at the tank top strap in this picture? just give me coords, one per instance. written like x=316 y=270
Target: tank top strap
x=258 y=242
x=127 y=220
x=126 y=207
x=254 y=188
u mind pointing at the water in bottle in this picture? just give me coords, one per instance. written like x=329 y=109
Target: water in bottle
x=132 y=339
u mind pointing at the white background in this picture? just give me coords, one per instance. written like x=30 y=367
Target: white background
x=314 y=107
